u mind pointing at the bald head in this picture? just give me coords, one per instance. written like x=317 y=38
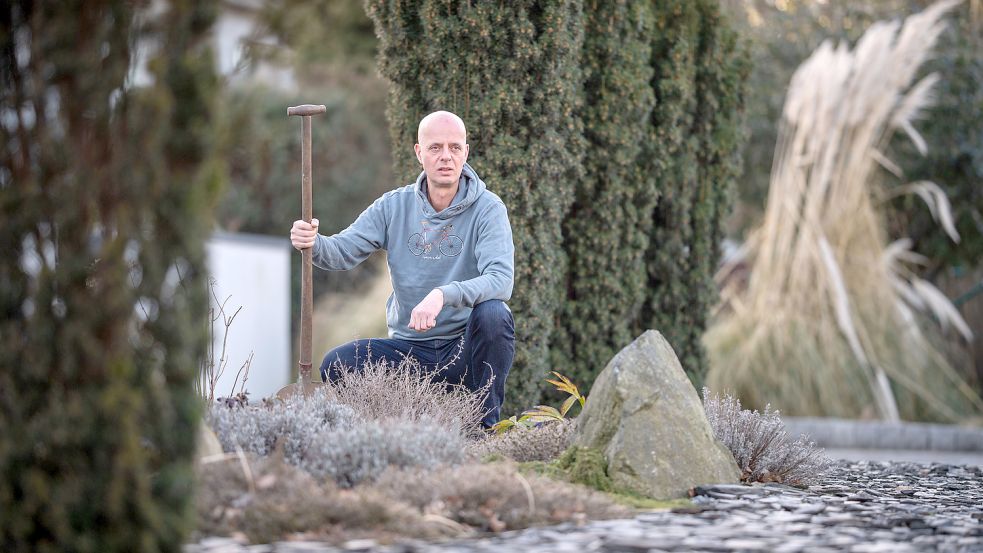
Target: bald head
x=441 y=119
x=442 y=149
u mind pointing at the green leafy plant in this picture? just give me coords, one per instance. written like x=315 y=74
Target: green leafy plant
x=545 y=413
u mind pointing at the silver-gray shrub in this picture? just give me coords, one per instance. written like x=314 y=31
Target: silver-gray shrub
x=350 y=456
x=291 y=422
x=762 y=447
x=329 y=439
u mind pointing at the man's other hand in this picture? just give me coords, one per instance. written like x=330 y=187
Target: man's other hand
x=303 y=234
x=424 y=315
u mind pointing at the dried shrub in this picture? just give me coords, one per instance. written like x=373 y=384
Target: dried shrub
x=538 y=443
x=383 y=391
x=267 y=500
x=496 y=496
x=762 y=447
x=329 y=440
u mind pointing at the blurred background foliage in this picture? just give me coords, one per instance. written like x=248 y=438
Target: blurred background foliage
x=782 y=33
x=328 y=48
x=107 y=193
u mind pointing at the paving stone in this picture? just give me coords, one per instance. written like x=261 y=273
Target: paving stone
x=742 y=544
x=626 y=545
x=881 y=547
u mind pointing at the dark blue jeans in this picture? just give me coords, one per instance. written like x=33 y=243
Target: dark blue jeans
x=489 y=345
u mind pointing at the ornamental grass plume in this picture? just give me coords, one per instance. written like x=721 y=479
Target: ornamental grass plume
x=832 y=321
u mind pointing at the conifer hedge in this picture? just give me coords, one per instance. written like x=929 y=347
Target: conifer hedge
x=105 y=196
x=701 y=72
x=511 y=70
x=606 y=231
x=610 y=129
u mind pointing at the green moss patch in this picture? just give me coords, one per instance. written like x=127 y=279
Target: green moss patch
x=587 y=466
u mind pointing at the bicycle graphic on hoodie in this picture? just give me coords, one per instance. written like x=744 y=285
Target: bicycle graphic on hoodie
x=447 y=244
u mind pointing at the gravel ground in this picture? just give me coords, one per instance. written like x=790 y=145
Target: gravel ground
x=861 y=506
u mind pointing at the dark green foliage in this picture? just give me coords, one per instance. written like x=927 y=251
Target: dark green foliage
x=328 y=43
x=511 y=71
x=105 y=197
x=663 y=95
x=654 y=91
x=700 y=76
x=606 y=232
x=953 y=129
x=326 y=39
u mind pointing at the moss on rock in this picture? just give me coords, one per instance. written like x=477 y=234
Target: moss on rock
x=587 y=466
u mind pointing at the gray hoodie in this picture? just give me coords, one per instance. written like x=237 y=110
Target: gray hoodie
x=465 y=250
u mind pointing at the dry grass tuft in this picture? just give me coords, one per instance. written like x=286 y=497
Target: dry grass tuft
x=832 y=322
x=272 y=500
x=539 y=443
x=384 y=392
x=496 y=497
x=760 y=444
x=268 y=500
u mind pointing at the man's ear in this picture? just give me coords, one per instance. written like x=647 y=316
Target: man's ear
x=467 y=150
x=417 y=149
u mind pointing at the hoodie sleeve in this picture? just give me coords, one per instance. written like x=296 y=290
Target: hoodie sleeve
x=356 y=243
x=496 y=263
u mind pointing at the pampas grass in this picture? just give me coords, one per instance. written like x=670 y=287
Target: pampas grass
x=833 y=321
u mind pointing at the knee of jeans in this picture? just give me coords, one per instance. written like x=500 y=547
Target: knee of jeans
x=491 y=312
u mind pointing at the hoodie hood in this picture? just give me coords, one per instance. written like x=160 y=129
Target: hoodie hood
x=470 y=184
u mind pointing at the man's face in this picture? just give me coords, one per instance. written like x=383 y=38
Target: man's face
x=442 y=151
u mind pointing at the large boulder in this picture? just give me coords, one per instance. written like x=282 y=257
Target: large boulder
x=645 y=416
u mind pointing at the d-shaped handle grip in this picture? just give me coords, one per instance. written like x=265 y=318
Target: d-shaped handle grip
x=306 y=109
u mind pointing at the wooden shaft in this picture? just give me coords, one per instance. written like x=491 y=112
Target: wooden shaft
x=306 y=283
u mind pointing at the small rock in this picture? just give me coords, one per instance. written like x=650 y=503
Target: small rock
x=359 y=545
x=811 y=508
x=747 y=545
x=625 y=545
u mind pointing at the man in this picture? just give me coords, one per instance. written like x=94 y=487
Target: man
x=451 y=262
